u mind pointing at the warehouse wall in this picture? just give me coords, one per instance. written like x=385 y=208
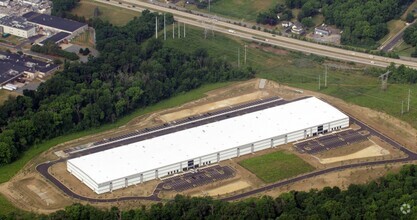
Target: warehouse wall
x=79 y=174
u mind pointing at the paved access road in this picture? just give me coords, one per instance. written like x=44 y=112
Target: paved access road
x=221 y=25
x=44 y=167
x=394 y=41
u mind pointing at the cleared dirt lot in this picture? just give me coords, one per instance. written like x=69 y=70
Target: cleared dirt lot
x=29 y=191
x=228 y=188
x=371 y=151
x=212 y=106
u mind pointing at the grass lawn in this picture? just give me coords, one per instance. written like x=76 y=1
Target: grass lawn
x=4 y=95
x=6 y=206
x=394 y=26
x=404 y=49
x=115 y=15
x=318 y=20
x=84 y=39
x=302 y=71
x=276 y=166
x=238 y=9
x=7 y=171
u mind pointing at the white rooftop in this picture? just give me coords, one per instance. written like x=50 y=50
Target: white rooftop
x=192 y=143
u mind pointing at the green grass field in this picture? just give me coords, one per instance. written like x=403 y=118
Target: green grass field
x=238 y=9
x=6 y=206
x=276 y=166
x=404 y=49
x=115 y=15
x=303 y=71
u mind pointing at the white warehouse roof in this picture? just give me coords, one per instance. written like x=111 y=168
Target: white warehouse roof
x=206 y=139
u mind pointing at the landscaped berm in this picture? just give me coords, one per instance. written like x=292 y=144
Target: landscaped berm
x=276 y=166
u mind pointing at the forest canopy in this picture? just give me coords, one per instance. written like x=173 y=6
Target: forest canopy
x=132 y=71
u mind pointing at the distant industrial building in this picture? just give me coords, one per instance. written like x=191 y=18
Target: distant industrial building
x=17 y=26
x=56 y=24
x=206 y=144
x=13 y=66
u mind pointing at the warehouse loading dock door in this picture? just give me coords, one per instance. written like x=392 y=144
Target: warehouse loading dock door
x=190 y=164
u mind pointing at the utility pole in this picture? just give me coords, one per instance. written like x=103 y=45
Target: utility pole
x=245 y=53
x=184 y=29
x=156 y=27
x=319 y=82
x=209 y=5
x=402 y=107
x=173 y=30
x=384 y=80
x=179 y=30
x=325 y=78
x=408 y=101
x=165 y=30
x=238 y=57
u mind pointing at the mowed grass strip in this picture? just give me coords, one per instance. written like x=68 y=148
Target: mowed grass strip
x=276 y=166
x=238 y=9
x=6 y=206
x=115 y=15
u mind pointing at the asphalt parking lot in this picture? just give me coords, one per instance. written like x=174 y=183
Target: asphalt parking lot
x=330 y=141
x=202 y=177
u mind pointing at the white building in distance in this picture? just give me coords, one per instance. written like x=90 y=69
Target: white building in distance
x=179 y=151
x=17 y=26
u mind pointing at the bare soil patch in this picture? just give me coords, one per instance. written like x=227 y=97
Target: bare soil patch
x=228 y=188
x=371 y=151
x=213 y=105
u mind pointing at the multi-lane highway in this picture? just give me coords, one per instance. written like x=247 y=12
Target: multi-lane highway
x=44 y=167
x=222 y=26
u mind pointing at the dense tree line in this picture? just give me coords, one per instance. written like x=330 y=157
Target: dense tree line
x=363 y=22
x=381 y=199
x=410 y=37
x=271 y=17
x=52 y=48
x=131 y=72
x=60 y=7
x=402 y=74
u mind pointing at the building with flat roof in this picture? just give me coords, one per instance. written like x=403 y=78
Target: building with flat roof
x=56 y=38
x=179 y=151
x=13 y=66
x=17 y=26
x=55 y=24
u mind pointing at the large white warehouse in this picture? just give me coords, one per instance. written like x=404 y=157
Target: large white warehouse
x=210 y=143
